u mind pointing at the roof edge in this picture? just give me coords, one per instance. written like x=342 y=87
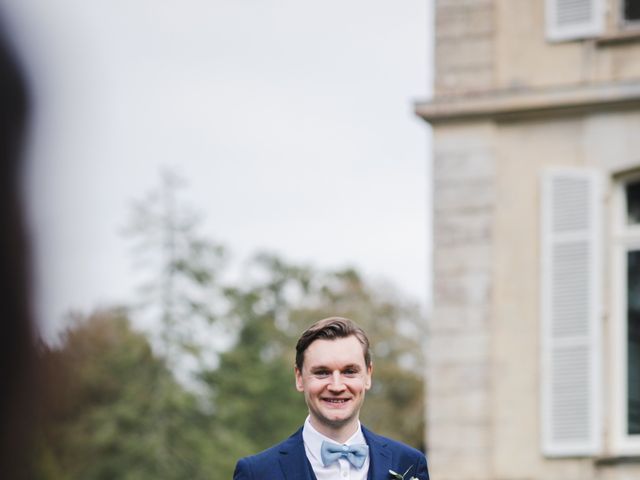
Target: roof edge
x=519 y=103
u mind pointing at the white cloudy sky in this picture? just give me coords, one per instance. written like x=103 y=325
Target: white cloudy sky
x=292 y=121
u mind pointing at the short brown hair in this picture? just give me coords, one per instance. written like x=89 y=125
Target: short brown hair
x=330 y=329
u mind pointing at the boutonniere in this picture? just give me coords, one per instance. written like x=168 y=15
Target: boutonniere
x=398 y=476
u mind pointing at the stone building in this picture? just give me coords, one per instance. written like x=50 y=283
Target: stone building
x=534 y=343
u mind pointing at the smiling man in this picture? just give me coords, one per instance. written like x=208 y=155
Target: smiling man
x=333 y=370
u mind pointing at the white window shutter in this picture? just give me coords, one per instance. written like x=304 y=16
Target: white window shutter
x=571 y=313
x=574 y=19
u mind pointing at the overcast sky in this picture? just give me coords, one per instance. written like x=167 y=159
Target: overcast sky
x=291 y=120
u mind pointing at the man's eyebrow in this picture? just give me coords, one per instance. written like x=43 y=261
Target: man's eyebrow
x=317 y=368
x=352 y=366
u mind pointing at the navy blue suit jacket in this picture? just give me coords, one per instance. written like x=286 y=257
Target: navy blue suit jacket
x=288 y=460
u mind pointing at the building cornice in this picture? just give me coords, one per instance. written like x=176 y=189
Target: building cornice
x=521 y=103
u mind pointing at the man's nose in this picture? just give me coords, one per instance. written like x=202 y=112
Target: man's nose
x=336 y=381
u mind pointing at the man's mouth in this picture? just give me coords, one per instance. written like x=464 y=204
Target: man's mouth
x=336 y=401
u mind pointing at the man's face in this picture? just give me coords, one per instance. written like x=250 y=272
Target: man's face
x=334 y=379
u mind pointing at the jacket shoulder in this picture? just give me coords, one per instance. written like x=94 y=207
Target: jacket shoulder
x=403 y=447
x=264 y=462
x=392 y=444
x=399 y=449
x=268 y=455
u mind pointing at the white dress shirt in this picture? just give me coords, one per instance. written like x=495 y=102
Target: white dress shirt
x=340 y=470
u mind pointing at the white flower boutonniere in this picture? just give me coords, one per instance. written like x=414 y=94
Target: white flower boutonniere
x=399 y=476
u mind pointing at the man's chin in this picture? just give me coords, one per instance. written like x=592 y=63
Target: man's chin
x=337 y=420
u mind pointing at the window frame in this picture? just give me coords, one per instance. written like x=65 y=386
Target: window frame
x=623 y=23
x=625 y=239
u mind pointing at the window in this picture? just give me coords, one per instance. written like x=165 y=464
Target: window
x=627 y=318
x=633 y=342
x=630 y=10
x=574 y=19
x=571 y=315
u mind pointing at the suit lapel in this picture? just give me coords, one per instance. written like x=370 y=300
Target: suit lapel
x=293 y=459
x=379 y=456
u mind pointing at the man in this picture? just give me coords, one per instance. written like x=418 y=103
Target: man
x=333 y=370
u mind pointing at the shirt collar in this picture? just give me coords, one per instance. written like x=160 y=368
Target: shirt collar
x=313 y=439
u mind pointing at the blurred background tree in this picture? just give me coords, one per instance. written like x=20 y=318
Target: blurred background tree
x=122 y=405
x=179 y=269
x=103 y=414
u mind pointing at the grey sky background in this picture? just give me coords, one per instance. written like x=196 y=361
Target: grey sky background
x=292 y=122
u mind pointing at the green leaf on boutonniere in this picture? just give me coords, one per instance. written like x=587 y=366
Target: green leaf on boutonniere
x=397 y=476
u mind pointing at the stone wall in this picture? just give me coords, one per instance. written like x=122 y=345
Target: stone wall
x=464 y=53
x=458 y=353
x=488 y=45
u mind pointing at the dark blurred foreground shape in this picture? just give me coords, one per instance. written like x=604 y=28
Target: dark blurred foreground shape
x=16 y=337
x=534 y=342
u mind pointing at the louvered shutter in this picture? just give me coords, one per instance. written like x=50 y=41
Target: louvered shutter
x=571 y=313
x=574 y=19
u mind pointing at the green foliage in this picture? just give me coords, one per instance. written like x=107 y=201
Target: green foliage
x=179 y=290
x=253 y=388
x=105 y=417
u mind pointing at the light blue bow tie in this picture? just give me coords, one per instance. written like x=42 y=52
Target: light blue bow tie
x=356 y=454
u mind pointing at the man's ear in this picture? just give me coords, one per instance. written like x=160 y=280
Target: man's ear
x=299 y=385
x=367 y=381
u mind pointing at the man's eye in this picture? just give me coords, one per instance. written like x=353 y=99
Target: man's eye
x=351 y=372
x=322 y=373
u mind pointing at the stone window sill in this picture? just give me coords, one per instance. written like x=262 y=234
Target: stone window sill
x=618 y=38
x=609 y=461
